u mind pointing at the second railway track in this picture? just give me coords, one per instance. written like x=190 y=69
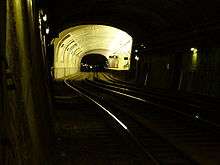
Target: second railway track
x=195 y=139
x=126 y=131
x=158 y=148
x=86 y=135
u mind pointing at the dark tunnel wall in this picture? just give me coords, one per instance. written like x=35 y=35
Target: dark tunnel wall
x=26 y=109
x=175 y=70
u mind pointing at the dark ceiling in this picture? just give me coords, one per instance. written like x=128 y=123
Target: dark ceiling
x=150 y=21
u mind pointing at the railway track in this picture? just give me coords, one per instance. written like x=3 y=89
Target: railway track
x=193 y=98
x=85 y=134
x=159 y=149
x=195 y=139
x=126 y=130
x=198 y=109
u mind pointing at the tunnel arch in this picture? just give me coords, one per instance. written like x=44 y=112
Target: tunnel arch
x=94 y=62
x=76 y=42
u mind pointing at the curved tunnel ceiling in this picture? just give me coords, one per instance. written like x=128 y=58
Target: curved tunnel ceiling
x=76 y=42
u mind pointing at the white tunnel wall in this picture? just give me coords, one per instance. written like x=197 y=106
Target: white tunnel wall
x=76 y=42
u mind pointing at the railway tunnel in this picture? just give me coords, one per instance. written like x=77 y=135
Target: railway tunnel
x=75 y=43
x=94 y=62
x=155 y=99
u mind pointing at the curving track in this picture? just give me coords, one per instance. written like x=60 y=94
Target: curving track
x=85 y=134
x=153 y=132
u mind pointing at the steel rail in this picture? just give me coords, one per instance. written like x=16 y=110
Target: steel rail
x=126 y=129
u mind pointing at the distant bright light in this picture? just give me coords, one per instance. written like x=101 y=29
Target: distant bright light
x=135 y=50
x=143 y=46
x=197 y=116
x=168 y=66
x=136 y=58
x=47 y=30
x=45 y=18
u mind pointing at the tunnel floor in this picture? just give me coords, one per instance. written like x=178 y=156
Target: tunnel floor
x=82 y=137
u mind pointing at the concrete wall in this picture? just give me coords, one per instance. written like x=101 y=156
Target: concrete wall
x=174 y=69
x=2 y=84
x=26 y=108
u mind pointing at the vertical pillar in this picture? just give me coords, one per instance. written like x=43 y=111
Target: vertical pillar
x=3 y=137
x=26 y=102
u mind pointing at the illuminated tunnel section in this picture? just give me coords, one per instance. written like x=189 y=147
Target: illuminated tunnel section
x=79 y=41
x=94 y=62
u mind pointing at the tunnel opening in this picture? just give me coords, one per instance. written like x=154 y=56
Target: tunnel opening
x=94 y=63
x=76 y=42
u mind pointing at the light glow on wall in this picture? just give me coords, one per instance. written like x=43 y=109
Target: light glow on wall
x=76 y=42
x=194 y=57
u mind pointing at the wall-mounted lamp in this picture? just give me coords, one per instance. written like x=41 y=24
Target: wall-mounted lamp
x=45 y=18
x=47 y=30
x=136 y=58
x=193 y=49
